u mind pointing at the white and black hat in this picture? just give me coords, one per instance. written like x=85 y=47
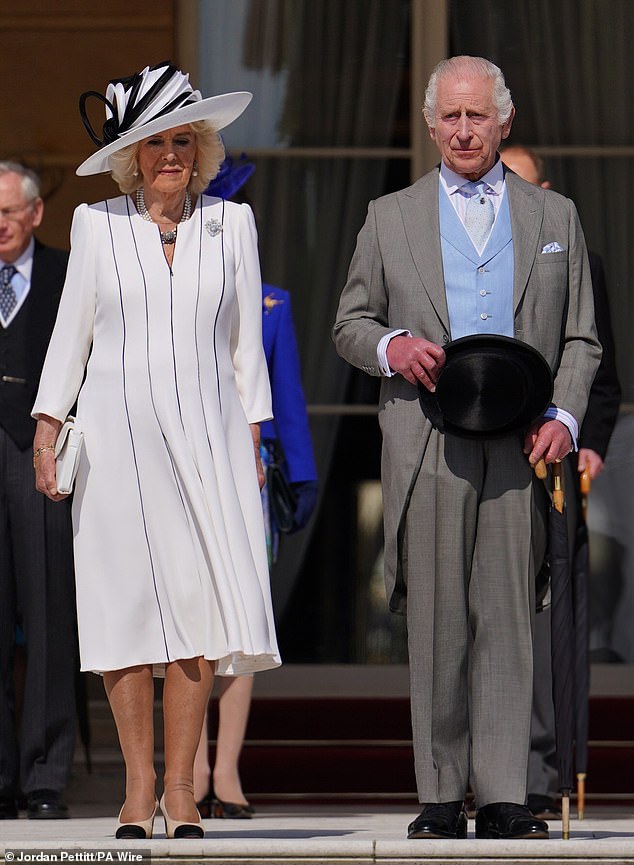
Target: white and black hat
x=151 y=101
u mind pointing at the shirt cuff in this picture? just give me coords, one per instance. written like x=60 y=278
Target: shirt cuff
x=381 y=352
x=554 y=413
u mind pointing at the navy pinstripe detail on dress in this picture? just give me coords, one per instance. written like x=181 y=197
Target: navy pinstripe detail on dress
x=127 y=412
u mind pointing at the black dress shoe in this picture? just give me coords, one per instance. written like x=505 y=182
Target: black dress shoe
x=8 y=808
x=45 y=805
x=439 y=820
x=543 y=807
x=507 y=820
x=231 y=810
x=211 y=806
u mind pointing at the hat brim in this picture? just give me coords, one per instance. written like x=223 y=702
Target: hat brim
x=490 y=386
x=218 y=110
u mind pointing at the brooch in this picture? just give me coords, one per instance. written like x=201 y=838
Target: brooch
x=270 y=303
x=213 y=227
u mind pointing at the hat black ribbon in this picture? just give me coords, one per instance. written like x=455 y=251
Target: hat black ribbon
x=112 y=129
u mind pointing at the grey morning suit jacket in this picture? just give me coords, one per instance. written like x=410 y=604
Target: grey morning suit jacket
x=396 y=281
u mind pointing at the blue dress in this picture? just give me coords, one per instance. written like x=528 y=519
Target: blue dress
x=289 y=429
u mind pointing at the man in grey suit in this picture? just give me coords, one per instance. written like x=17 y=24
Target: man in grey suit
x=465 y=518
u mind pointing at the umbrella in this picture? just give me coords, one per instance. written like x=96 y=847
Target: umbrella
x=562 y=640
x=580 y=575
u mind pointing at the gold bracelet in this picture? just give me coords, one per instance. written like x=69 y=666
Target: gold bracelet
x=41 y=450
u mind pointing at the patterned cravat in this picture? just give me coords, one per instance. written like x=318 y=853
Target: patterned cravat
x=8 y=299
x=480 y=214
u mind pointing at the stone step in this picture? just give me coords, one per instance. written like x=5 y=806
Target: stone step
x=321 y=835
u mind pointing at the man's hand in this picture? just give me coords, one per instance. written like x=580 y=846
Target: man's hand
x=589 y=461
x=416 y=359
x=549 y=439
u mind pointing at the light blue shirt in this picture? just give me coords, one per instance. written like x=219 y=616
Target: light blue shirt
x=456 y=188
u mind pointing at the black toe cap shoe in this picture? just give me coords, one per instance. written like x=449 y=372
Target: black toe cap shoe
x=45 y=805
x=8 y=808
x=507 y=820
x=440 y=820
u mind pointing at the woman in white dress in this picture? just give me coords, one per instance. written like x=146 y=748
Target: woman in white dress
x=158 y=338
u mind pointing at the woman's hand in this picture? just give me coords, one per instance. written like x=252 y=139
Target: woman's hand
x=255 y=434
x=46 y=434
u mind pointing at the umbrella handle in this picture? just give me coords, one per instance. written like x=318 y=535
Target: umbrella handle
x=581 y=795
x=565 y=815
x=584 y=485
x=585 y=482
x=557 y=478
x=558 y=486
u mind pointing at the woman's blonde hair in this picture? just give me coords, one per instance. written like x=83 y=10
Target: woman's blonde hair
x=210 y=152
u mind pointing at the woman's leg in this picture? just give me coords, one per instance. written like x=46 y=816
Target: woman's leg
x=202 y=769
x=234 y=702
x=186 y=693
x=131 y=696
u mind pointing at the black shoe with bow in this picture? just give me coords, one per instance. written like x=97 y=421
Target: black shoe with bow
x=439 y=820
x=508 y=820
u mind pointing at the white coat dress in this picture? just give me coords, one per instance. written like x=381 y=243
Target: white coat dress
x=168 y=370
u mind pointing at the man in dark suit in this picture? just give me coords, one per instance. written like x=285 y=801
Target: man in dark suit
x=594 y=438
x=36 y=561
x=469 y=250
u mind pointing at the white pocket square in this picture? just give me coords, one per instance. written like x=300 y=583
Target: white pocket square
x=552 y=247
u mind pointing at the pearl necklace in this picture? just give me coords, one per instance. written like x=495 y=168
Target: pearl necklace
x=167 y=237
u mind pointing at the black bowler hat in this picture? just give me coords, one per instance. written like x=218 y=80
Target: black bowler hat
x=490 y=386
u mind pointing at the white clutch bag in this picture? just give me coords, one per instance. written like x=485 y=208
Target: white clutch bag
x=67 y=453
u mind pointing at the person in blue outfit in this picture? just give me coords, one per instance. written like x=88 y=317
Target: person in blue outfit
x=286 y=439
x=287 y=436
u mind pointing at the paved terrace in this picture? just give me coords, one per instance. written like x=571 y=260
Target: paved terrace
x=317 y=834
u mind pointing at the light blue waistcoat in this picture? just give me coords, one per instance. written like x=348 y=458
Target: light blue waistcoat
x=479 y=288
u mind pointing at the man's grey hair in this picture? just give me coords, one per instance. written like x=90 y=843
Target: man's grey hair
x=468 y=66
x=30 y=180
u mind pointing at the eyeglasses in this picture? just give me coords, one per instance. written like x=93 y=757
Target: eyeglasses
x=13 y=213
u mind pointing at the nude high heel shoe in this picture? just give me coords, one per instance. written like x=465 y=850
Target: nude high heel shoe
x=174 y=829
x=141 y=829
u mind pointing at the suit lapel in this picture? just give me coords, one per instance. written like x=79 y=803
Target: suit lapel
x=419 y=209
x=527 y=213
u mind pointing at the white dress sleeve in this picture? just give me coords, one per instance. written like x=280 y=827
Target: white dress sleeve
x=249 y=361
x=71 y=339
